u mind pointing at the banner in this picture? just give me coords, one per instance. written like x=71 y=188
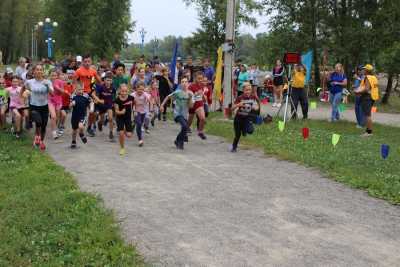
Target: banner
x=307 y=60
x=218 y=75
x=173 y=71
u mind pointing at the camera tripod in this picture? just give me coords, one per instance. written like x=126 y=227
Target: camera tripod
x=288 y=98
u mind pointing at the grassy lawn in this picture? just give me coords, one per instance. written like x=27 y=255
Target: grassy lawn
x=355 y=161
x=46 y=221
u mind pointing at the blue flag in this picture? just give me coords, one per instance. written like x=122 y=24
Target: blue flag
x=307 y=60
x=173 y=71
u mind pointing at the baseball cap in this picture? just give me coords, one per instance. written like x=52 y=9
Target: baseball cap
x=368 y=67
x=78 y=58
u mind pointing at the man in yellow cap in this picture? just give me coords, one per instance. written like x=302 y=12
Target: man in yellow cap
x=369 y=92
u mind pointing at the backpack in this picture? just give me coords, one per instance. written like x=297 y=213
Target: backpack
x=373 y=81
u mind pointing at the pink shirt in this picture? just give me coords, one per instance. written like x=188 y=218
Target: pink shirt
x=15 y=99
x=141 y=102
x=58 y=86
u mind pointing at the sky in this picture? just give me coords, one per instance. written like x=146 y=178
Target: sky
x=160 y=18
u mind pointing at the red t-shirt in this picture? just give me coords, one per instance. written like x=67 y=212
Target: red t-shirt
x=66 y=96
x=85 y=76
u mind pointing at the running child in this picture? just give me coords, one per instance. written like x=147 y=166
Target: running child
x=123 y=112
x=38 y=90
x=3 y=104
x=245 y=104
x=17 y=105
x=155 y=98
x=55 y=103
x=141 y=103
x=104 y=97
x=198 y=107
x=79 y=103
x=66 y=100
x=183 y=101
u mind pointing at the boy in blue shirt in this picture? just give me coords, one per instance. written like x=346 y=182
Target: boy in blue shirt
x=79 y=103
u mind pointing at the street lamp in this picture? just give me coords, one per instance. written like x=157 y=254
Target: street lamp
x=155 y=43
x=48 y=29
x=142 y=33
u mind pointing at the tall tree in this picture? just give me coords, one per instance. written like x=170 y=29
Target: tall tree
x=212 y=15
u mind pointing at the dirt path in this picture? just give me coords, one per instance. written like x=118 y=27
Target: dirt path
x=207 y=207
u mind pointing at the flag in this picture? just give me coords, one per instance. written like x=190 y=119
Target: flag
x=306 y=60
x=218 y=75
x=173 y=70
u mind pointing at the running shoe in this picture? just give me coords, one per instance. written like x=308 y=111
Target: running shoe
x=186 y=139
x=122 y=151
x=232 y=149
x=42 y=146
x=17 y=135
x=141 y=143
x=73 y=145
x=84 y=139
x=366 y=135
x=202 y=136
x=147 y=131
x=55 y=135
x=91 y=132
x=178 y=146
x=36 y=141
x=152 y=123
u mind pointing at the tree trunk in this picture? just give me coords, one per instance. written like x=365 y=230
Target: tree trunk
x=385 y=99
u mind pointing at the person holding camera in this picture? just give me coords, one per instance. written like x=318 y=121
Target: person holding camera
x=298 y=91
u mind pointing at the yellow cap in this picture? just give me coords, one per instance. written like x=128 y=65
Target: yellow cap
x=368 y=67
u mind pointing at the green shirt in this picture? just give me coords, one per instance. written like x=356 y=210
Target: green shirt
x=3 y=96
x=181 y=100
x=118 y=80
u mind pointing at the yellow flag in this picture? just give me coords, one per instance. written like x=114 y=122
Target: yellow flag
x=218 y=75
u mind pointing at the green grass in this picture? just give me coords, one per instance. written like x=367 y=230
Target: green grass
x=46 y=221
x=355 y=161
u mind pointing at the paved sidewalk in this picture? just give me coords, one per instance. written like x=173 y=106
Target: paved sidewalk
x=323 y=113
x=207 y=207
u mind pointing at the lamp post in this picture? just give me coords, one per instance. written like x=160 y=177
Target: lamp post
x=155 y=43
x=142 y=33
x=48 y=29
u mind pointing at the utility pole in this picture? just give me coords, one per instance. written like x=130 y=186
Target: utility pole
x=229 y=55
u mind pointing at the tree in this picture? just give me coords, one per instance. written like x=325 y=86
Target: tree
x=212 y=15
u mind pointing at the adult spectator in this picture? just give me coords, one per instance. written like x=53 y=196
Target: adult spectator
x=254 y=72
x=336 y=82
x=209 y=71
x=116 y=61
x=278 y=73
x=298 y=91
x=369 y=91
x=358 y=77
x=242 y=78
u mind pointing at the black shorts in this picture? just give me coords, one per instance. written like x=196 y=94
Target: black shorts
x=124 y=123
x=366 y=104
x=101 y=109
x=40 y=115
x=75 y=120
x=278 y=81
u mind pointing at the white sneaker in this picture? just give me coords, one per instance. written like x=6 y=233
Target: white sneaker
x=55 y=135
x=278 y=105
x=274 y=105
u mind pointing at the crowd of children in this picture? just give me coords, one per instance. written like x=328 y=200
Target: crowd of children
x=93 y=97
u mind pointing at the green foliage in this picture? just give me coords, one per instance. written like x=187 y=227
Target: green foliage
x=95 y=27
x=355 y=161
x=16 y=22
x=46 y=221
x=212 y=15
